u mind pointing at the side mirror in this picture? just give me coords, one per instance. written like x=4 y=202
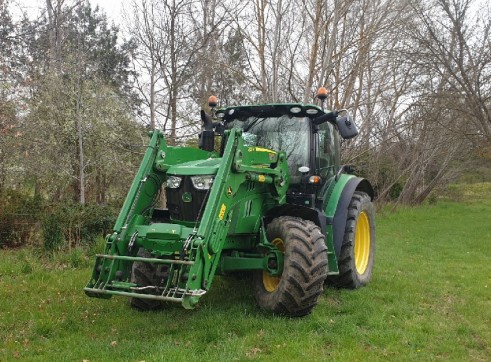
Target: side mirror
x=346 y=126
x=207 y=140
x=207 y=121
x=207 y=136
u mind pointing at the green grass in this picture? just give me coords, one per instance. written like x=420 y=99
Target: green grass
x=430 y=298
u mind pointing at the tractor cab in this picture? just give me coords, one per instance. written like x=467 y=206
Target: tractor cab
x=307 y=134
x=311 y=150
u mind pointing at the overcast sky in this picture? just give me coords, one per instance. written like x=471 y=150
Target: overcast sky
x=112 y=8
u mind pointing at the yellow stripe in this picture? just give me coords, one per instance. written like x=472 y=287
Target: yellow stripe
x=222 y=212
x=260 y=149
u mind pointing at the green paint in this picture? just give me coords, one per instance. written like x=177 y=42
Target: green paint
x=226 y=233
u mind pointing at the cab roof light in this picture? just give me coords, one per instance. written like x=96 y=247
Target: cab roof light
x=212 y=101
x=322 y=96
x=322 y=93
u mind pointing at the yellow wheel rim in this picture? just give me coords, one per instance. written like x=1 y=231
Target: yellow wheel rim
x=362 y=243
x=270 y=282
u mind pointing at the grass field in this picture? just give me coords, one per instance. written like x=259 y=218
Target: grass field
x=430 y=299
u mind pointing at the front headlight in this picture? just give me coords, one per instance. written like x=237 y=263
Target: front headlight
x=173 y=182
x=202 y=182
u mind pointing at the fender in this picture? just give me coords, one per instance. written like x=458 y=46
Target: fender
x=339 y=220
x=306 y=213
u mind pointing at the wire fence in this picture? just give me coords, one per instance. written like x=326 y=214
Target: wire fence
x=18 y=229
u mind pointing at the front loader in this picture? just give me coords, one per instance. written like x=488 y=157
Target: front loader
x=272 y=200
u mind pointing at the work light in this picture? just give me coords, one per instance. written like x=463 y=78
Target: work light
x=173 y=182
x=202 y=182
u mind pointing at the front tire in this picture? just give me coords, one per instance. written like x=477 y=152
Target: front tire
x=145 y=274
x=358 y=248
x=296 y=291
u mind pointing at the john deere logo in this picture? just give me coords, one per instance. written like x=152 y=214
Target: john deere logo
x=229 y=191
x=187 y=197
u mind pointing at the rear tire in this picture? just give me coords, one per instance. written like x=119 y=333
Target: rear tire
x=144 y=274
x=296 y=291
x=358 y=248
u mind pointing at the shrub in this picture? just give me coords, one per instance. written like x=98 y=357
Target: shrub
x=395 y=191
x=18 y=217
x=71 y=224
x=52 y=232
x=97 y=220
x=77 y=258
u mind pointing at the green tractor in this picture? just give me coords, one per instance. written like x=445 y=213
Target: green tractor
x=265 y=194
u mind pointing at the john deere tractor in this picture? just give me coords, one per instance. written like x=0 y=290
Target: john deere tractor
x=264 y=194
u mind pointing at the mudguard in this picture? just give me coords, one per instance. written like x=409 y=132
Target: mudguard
x=306 y=213
x=338 y=221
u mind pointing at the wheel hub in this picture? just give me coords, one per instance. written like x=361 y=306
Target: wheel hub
x=271 y=282
x=362 y=243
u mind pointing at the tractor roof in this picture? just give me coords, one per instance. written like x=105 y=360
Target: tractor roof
x=270 y=110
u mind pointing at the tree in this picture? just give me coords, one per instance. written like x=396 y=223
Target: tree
x=176 y=52
x=454 y=48
x=89 y=64
x=9 y=103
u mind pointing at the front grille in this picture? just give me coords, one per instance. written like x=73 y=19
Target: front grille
x=189 y=210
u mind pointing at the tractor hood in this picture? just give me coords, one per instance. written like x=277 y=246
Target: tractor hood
x=199 y=167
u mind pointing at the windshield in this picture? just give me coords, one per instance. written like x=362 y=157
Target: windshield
x=284 y=133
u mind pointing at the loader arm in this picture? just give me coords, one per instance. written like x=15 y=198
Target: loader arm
x=240 y=164
x=191 y=254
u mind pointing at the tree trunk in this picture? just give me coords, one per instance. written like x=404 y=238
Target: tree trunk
x=80 y=141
